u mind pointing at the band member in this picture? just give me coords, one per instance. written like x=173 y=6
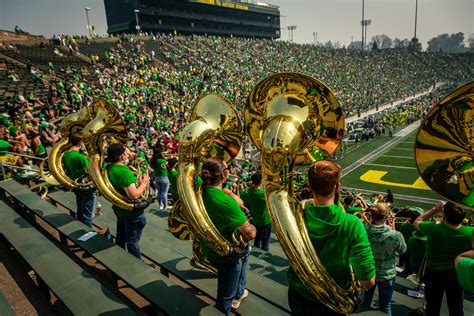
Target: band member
x=386 y=245
x=338 y=238
x=75 y=164
x=254 y=199
x=444 y=242
x=130 y=224
x=465 y=270
x=227 y=216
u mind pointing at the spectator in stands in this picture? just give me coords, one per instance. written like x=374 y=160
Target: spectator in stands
x=254 y=200
x=444 y=242
x=225 y=213
x=37 y=147
x=386 y=245
x=46 y=138
x=130 y=224
x=172 y=177
x=339 y=239
x=162 y=183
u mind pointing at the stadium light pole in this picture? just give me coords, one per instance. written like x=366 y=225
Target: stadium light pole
x=290 y=31
x=88 y=23
x=362 y=24
x=136 y=19
x=416 y=16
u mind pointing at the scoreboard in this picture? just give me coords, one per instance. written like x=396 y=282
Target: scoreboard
x=244 y=18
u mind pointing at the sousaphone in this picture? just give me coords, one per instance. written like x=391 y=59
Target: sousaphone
x=293 y=119
x=51 y=169
x=106 y=128
x=444 y=146
x=215 y=130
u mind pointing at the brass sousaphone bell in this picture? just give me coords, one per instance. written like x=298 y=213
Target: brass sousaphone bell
x=215 y=130
x=51 y=169
x=444 y=148
x=292 y=118
x=106 y=128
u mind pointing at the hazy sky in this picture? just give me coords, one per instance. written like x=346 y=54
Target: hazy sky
x=335 y=20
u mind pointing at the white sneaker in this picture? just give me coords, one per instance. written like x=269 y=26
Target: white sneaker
x=236 y=302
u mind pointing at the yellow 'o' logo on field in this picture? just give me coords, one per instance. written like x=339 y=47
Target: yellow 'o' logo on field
x=375 y=176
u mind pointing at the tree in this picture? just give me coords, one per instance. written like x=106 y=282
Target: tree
x=357 y=45
x=453 y=43
x=471 y=41
x=415 y=44
x=328 y=44
x=382 y=41
x=401 y=43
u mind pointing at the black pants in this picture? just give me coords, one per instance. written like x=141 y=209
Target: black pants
x=300 y=306
x=436 y=284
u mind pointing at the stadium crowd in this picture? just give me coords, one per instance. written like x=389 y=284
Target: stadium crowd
x=154 y=92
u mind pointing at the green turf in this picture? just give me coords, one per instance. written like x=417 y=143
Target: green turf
x=390 y=160
x=361 y=150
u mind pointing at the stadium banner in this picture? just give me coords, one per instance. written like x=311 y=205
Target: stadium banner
x=225 y=4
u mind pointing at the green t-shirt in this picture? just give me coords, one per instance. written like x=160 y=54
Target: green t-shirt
x=465 y=272
x=160 y=168
x=41 y=149
x=407 y=230
x=340 y=242
x=173 y=176
x=416 y=249
x=254 y=200
x=444 y=244
x=120 y=177
x=75 y=164
x=225 y=214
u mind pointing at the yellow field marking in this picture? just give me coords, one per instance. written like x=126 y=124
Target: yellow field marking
x=375 y=176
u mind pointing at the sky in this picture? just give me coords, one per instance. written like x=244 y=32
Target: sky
x=334 y=20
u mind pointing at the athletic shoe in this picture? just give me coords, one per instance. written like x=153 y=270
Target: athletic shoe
x=236 y=302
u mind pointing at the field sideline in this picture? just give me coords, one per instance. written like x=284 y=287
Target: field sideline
x=390 y=165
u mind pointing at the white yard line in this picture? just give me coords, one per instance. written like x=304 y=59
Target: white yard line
x=418 y=199
x=388 y=166
x=390 y=156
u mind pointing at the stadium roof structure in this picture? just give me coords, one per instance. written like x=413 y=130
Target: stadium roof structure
x=242 y=18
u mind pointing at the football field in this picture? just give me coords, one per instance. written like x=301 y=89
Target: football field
x=388 y=163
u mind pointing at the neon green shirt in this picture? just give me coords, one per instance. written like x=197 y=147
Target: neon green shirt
x=444 y=244
x=225 y=214
x=255 y=201
x=173 y=176
x=465 y=272
x=75 y=164
x=121 y=177
x=340 y=242
x=160 y=168
x=416 y=249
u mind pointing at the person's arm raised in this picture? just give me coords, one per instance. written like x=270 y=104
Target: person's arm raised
x=427 y=215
